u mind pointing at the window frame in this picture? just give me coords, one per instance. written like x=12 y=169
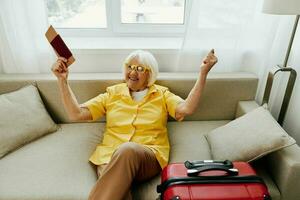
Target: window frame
x=115 y=28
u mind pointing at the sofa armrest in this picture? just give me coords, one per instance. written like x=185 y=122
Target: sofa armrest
x=244 y=107
x=284 y=166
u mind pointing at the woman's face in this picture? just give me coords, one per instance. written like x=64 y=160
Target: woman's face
x=136 y=75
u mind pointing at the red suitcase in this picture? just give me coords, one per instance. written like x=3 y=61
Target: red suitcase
x=210 y=180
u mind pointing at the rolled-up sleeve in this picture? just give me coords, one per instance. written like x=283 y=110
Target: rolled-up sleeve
x=97 y=105
x=172 y=102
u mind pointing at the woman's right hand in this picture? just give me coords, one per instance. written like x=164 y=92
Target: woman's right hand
x=60 y=69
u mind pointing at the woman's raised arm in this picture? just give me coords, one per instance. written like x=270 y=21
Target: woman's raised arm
x=74 y=111
x=191 y=103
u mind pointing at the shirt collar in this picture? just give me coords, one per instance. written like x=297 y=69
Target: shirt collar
x=125 y=90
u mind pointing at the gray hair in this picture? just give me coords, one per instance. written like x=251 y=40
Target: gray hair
x=145 y=58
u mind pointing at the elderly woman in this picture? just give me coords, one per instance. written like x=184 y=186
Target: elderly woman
x=135 y=146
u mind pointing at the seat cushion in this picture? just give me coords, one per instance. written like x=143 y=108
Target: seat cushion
x=187 y=139
x=53 y=167
x=56 y=166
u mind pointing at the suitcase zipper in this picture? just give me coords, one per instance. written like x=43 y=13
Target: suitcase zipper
x=206 y=180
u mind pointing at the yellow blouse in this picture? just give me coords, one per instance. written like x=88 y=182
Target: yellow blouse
x=142 y=122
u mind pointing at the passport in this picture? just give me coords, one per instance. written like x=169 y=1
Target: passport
x=59 y=46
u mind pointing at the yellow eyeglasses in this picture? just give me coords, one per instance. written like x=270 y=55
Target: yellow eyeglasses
x=137 y=68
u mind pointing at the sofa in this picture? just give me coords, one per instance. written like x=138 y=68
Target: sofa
x=56 y=166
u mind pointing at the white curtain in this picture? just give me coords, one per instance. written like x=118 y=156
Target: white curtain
x=23 y=47
x=244 y=39
x=240 y=33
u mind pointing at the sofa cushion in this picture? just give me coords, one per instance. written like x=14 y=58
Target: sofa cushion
x=55 y=167
x=249 y=137
x=61 y=158
x=215 y=102
x=187 y=139
x=23 y=118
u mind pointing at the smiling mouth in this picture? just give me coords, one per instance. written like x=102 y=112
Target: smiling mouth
x=133 y=79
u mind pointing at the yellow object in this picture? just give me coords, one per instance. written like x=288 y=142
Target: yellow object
x=142 y=122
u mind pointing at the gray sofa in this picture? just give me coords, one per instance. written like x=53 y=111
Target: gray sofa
x=56 y=166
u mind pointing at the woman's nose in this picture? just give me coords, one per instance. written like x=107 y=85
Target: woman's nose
x=133 y=72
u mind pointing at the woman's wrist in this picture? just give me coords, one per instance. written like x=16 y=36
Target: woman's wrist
x=62 y=81
x=203 y=74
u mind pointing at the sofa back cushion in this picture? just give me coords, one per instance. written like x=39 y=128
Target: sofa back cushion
x=222 y=93
x=23 y=118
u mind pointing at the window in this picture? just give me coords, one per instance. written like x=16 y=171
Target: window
x=118 y=17
x=77 y=13
x=152 y=12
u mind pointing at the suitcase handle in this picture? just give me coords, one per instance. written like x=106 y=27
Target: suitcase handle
x=196 y=171
x=201 y=163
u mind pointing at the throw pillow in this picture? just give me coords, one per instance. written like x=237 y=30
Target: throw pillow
x=23 y=118
x=248 y=137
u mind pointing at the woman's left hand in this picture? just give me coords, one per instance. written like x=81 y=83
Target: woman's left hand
x=209 y=61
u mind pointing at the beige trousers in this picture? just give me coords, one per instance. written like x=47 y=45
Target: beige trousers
x=131 y=162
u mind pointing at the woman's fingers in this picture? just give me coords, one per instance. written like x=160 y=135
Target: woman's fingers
x=59 y=67
x=62 y=59
x=55 y=67
x=211 y=58
x=209 y=61
x=63 y=65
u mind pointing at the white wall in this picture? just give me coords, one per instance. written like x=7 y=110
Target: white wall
x=276 y=55
x=112 y=60
x=1 y=66
x=292 y=119
x=291 y=123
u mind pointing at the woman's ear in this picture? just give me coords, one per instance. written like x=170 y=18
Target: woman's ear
x=148 y=78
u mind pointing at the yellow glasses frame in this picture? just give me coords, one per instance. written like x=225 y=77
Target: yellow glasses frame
x=137 y=68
